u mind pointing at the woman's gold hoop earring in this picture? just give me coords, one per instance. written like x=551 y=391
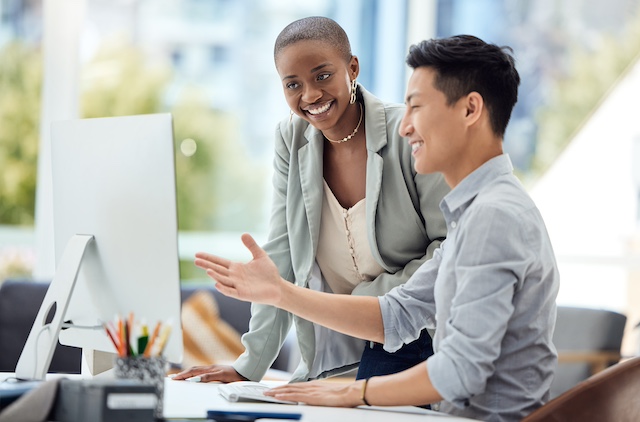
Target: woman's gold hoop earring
x=354 y=86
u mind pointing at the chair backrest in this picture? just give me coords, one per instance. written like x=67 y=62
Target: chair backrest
x=233 y=311
x=238 y=314
x=588 y=340
x=612 y=395
x=20 y=301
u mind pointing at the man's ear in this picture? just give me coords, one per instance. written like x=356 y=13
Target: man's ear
x=474 y=104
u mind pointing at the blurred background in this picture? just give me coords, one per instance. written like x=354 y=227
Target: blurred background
x=574 y=136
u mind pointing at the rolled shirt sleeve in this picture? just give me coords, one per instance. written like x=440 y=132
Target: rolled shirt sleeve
x=409 y=308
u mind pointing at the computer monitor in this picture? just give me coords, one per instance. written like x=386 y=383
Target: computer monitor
x=115 y=230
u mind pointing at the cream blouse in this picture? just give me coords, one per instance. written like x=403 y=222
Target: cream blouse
x=344 y=255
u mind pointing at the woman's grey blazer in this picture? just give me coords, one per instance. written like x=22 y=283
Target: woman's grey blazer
x=404 y=223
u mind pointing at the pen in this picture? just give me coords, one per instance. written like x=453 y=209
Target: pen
x=130 y=329
x=143 y=339
x=127 y=346
x=239 y=415
x=162 y=341
x=121 y=351
x=156 y=330
x=112 y=336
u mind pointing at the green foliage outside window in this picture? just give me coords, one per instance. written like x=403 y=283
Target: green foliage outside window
x=20 y=86
x=120 y=81
x=590 y=77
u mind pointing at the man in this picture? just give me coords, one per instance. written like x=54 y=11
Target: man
x=490 y=288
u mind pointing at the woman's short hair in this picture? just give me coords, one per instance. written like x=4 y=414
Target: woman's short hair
x=314 y=28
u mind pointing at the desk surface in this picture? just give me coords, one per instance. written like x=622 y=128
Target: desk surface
x=192 y=400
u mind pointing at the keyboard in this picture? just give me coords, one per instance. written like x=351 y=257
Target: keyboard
x=248 y=391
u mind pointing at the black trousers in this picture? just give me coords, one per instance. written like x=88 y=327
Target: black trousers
x=376 y=361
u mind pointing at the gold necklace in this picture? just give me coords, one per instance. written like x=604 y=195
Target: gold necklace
x=346 y=138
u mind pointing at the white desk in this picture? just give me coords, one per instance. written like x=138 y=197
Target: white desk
x=192 y=400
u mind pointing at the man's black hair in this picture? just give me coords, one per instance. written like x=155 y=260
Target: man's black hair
x=464 y=64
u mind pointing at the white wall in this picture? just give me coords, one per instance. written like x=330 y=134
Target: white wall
x=588 y=201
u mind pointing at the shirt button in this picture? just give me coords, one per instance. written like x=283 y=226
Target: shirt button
x=453 y=224
x=351 y=250
x=348 y=232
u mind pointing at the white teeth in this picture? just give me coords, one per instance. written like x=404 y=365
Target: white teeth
x=416 y=145
x=320 y=110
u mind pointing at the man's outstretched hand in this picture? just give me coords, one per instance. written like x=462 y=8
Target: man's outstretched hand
x=255 y=281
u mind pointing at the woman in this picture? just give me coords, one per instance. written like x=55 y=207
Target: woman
x=350 y=215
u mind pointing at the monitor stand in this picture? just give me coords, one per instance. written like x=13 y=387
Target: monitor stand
x=38 y=350
x=96 y=362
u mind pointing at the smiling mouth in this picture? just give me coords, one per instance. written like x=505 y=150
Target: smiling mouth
x=319 y=110
x=416 y=145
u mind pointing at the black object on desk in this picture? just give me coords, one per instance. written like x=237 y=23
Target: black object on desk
x=105 y=400
x=238 y=416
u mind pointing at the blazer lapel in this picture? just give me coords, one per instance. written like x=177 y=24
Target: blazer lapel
x=376 y=130
x=311 y=162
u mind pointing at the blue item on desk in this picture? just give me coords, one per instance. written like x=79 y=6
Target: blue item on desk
x=10 y=391
x=239 y=416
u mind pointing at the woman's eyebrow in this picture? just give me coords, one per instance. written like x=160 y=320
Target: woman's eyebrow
x=315 y=69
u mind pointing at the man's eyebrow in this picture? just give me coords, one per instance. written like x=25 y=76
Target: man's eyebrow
x=315 y=69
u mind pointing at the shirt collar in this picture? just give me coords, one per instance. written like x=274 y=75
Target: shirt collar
x=471 y=185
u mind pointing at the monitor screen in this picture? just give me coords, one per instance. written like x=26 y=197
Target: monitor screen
x=114 y=178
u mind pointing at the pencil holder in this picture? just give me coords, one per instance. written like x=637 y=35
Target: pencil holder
x=150 y=370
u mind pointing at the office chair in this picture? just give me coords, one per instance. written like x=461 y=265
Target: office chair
x=588 y=341
x=20 y=301
x=608 y=396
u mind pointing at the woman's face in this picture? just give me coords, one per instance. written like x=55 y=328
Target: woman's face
x=316 y=81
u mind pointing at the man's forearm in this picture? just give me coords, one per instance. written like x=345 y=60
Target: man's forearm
x=357 y=316
x=407 y=388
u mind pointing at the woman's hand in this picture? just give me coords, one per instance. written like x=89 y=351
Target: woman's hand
x=321 y=393
x=211 y=373
x=256 y=281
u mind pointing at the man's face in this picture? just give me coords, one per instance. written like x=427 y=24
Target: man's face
x=435 y=129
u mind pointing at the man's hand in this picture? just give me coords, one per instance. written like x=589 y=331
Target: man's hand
x=256 y=281
x=411 y=387
x=321 y=393
x=211 y=373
